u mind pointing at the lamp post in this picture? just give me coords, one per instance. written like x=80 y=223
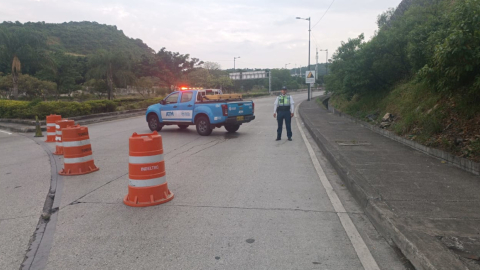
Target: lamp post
x=234 y=62
x=309 y=30
x=286 y=65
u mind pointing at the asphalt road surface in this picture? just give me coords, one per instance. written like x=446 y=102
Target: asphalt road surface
x=242 y=201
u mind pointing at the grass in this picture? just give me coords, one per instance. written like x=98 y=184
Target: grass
x=417 y=110
x=450 y=123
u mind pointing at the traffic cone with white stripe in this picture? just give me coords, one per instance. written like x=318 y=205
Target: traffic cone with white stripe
x=51 y=119
x=77 y=151
x=58 y=139
x=147 y=184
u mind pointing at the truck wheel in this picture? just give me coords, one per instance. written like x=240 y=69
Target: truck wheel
x=154 y=123
x=203 y=126
x=183 y=126
x=232 y=128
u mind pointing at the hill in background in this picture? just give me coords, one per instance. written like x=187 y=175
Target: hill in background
x=83 y=38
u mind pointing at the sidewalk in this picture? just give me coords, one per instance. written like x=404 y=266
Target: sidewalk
x=430 y=210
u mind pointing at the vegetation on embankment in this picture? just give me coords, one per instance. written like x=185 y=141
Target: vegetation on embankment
x=423 y=67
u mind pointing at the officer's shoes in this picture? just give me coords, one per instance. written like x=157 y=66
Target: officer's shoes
x=290 y=139
x=278 y=139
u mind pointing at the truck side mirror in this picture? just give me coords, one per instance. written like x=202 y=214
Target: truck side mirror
x=163 y=102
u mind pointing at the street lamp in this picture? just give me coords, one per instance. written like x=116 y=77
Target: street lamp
x=326 y=61
x=309 y=30
x=286 y=65
x=234 y=62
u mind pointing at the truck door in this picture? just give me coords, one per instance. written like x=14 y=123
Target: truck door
x=169 y=111
x=186 y=106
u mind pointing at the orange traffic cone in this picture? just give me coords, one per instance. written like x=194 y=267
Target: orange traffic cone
x=51 y=119
x=77 y=151
x=58 y=130
x=147 y=184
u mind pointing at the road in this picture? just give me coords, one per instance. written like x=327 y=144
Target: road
x=242 y=201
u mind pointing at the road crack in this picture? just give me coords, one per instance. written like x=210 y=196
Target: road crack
x=90 y=192
x=190 y=148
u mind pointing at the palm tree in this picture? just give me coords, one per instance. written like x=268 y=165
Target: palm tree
x=113 y=67
x=19 y=45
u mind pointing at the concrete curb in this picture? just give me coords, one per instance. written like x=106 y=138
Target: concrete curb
x=462 y=163
x=422 y=251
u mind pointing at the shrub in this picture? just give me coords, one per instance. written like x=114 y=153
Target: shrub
x=102 y=106
x=12 y=108
x=29 y=109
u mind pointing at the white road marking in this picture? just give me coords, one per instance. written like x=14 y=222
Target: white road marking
x=6 y=132
x=359 y=245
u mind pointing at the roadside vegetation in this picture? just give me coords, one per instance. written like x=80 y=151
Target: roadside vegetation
x=422 y=66
x=29 y=109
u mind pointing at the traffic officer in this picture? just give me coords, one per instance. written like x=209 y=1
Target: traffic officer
x=283 y=109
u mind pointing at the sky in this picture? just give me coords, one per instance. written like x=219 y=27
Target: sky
x=263 y=33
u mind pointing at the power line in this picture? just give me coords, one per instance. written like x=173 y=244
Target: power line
x=324 y=14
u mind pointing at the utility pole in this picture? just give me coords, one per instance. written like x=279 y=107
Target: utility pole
x=316 y=66
x=234 y=62
x=326 y=63
x=309 y=32
x=309 y=85
x=270 y=82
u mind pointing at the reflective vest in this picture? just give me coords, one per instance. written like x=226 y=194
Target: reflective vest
x=284 y=101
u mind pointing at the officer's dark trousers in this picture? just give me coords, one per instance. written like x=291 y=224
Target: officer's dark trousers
x=281 y=115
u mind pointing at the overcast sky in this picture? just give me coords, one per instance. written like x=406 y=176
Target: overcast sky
x=264 y=33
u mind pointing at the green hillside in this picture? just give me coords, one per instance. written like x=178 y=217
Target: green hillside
x=48 y=60
x=83 y=38
x=422 y=66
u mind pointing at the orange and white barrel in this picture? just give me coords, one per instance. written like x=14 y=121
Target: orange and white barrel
x=77 y=151
x=58 y=130
x=51 y=120
x=147 y=183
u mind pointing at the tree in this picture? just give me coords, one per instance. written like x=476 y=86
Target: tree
x=455 y=64
x=29 y=85
x=171 y=67
x=384 y=18
x=17 y=46
x=144 y=85
x=213 y=78
x=67 y=71
x=282 y=77
x=211 y=66
x=113 y=67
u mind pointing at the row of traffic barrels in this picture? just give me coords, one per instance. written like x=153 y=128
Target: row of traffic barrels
x=73 y=142
x=147 y=183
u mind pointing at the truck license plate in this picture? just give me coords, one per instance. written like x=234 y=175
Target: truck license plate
x=240 y=118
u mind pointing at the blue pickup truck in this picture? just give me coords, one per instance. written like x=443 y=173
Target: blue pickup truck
x=194 y=107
